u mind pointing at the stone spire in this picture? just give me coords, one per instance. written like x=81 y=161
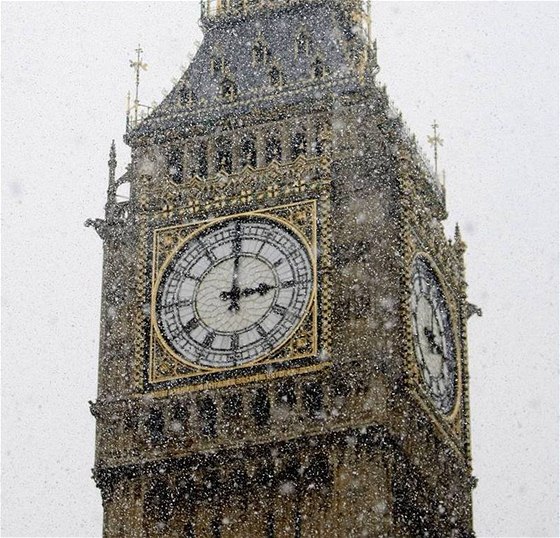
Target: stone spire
x=112 y=187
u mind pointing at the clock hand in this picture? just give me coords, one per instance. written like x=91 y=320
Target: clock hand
x=437 y=341
x=436 y=347
x=262 y=289
x=429 y=335
x=234 y=294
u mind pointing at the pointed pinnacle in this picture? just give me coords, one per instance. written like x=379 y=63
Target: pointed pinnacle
x=112 y=158
x=459 y=243
x=457 y=232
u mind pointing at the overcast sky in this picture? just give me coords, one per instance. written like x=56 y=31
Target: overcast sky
x=487 y=71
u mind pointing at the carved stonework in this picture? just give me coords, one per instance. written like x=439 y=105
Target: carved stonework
x=279 y=128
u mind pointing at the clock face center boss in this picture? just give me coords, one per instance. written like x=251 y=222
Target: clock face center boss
x=234 y=292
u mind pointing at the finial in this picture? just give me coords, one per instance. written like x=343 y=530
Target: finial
x=369 y=20
x=435 y=141
x=137 y=65
x=457 y=232
x=113 y=152
x=128 y=110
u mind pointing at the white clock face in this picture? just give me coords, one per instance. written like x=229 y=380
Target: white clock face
x=234 y=292
x=434 y=344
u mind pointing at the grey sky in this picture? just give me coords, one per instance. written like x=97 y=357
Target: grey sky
x=487 y=71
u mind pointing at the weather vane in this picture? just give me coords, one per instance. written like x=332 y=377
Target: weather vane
x=435 y=141
x=137 y=65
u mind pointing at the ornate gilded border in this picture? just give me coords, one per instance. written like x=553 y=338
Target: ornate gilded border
x=453 y=311
x=452 y=424
x=420 y=233
x=290 y=358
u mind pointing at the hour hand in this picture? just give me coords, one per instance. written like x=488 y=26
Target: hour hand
x=262 y=289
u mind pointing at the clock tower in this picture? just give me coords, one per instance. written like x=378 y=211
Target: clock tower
x=283 y=328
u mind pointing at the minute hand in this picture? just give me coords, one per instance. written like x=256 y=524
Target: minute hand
x=235 y=292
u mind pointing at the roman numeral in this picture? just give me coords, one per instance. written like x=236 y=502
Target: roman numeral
x=292 y=283
x=260 y=330
x=277 y=263
x=278 y=309
x=209 y=254
x=236 y=247
x=234 y=341
x=208 y=340
x=191 y=325
x=177 y=304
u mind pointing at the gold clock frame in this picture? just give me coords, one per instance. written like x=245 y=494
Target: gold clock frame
x=450 y=425
x=155 y=330
x=451 y=416
x=299 y=353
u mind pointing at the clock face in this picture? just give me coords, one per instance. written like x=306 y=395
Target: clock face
x=234 y=292
x=434 y=344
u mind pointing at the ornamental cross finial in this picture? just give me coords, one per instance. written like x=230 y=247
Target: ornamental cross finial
x=435 y=141
x=137 y=65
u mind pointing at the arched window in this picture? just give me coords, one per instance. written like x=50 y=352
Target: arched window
x=201 y=162
x=155 y=424
x=321 y=139
x=248 y=152
x=208 y=416
x=299 y=144
x=186 y=96
x=217 y=64
x=259 y=52
x=318 y=67
x=275 y=76
x=303 y=44
x=175 y=164
x=273 y=149
x=223 y=155
x=261 y=408
x=313 y=399
x=229 y=90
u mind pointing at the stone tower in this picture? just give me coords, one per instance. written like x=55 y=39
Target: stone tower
x=283 y=328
